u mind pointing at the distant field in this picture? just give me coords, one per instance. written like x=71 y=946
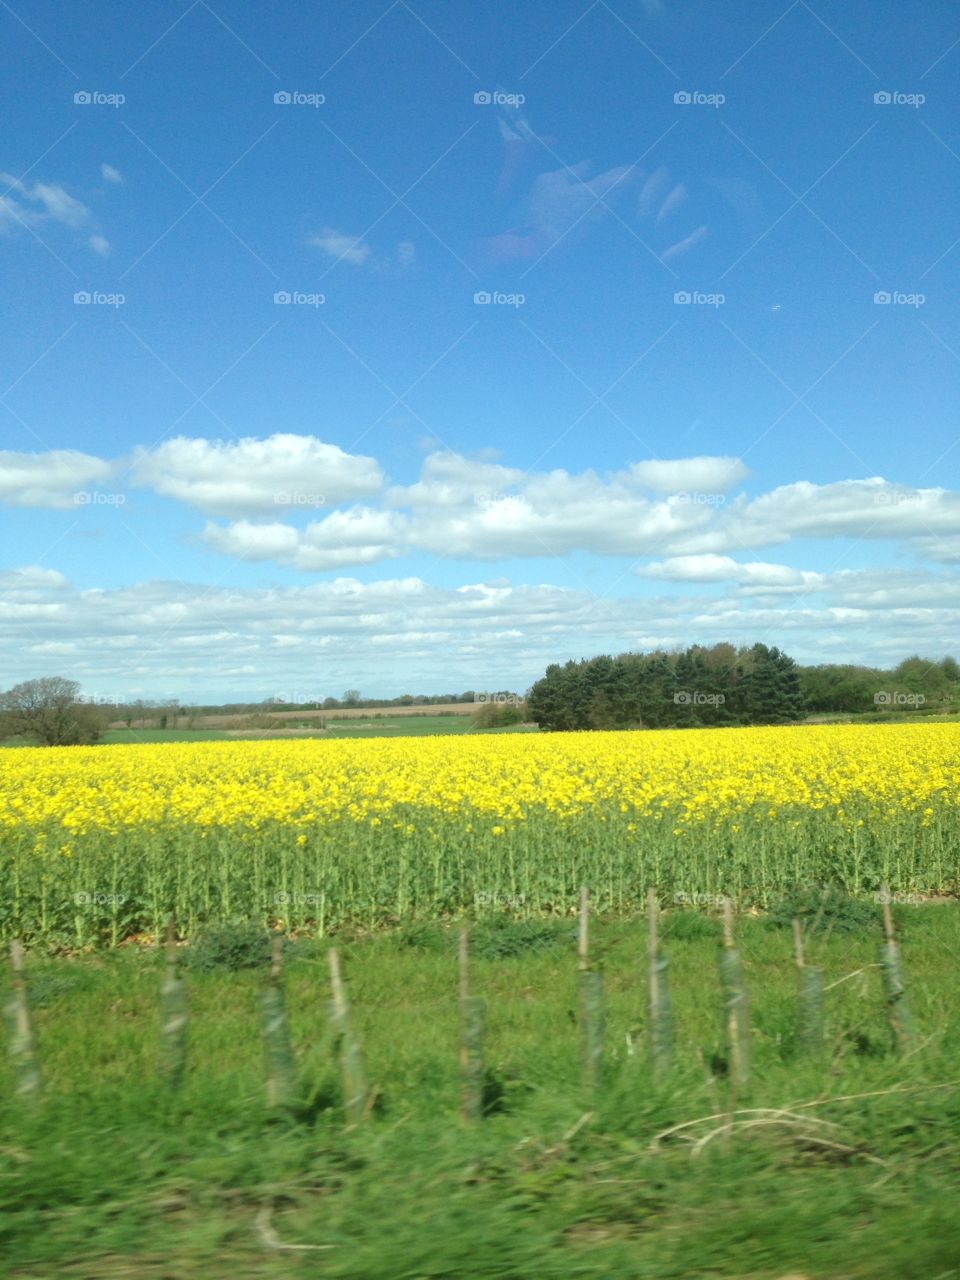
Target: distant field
x=238 y=719
x=399 y=726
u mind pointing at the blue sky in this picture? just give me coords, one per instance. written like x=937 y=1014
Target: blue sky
x=712 y=394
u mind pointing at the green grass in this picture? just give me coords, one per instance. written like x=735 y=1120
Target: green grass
x=413 y=726
x=108 y=1176
x=164 y=735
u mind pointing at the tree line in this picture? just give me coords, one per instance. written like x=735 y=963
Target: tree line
x=726 y=685
x=716 y=685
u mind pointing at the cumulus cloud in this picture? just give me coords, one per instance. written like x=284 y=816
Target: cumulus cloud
x=344 y=538
x=253 y=476
x=754 y=576
x=403 y=632
x=870 y=508
x=341 y=247
x=49 y=479
x=471 y=508
x=704 y=475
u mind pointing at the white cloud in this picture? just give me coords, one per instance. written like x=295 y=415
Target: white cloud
x=687 y=243
x=756 y=577
x=853 y=508
x=341 y=247
x=282 y=473
x=329 y=635
x=38 y=204
x=406 y=253
x=342 y=539
x=49 y=479
x=673 y=201
x=110 y=174
x=702 y=475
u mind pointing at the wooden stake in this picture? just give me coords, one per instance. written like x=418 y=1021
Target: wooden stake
x=810 y=999
x=888 y=933
x=281 y=1068
x=658 y=997
x=355 y=1091
x=463 y=954
x=891 y=969
x=173 y=999
x=473 y=1014
x=583 y=939
x=591 y=1028
x=798 y=941
x=727 y=922
x=20 y=1029
x=735 y=1004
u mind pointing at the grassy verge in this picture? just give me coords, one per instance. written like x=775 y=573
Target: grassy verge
x=106 y=1175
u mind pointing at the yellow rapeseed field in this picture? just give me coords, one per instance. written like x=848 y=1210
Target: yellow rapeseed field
x=106 y=841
